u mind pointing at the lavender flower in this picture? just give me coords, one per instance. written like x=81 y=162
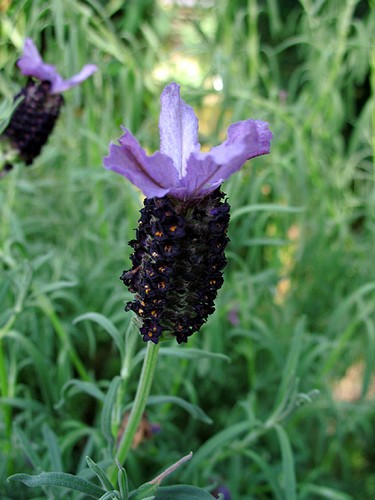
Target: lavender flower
x=34 y=118
x=179 y=248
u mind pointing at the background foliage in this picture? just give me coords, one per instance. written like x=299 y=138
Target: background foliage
x=278 y=385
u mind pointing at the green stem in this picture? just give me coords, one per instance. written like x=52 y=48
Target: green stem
x=139 y=404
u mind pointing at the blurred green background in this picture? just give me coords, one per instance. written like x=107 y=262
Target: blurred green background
x=279 y=385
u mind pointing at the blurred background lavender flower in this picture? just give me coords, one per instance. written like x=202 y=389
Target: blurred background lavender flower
x=40 y=101
x=221 y=492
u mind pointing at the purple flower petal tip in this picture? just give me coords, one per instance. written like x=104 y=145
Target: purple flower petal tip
x=154 y=175
x=32 y=64
x=264 y=138
x=180 y=169
x=178 y=128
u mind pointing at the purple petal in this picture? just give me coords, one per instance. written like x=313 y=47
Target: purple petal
x=31 y=64
x=178 y=127
x=206 y=171
x=153 y=175
x=60 y=85
x=255 y=133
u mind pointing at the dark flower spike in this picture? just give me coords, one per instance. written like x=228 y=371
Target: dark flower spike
x=34 y=118
x=178 y=255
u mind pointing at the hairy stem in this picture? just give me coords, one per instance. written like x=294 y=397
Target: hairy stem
x=139 y=404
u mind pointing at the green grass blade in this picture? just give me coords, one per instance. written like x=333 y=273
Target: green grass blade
x=288 y=467
x=54 y=452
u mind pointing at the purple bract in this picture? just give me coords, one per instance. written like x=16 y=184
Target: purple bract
x=32 y=64
x=180 y=169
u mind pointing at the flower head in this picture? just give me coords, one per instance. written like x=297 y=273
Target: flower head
x=178 y=255
x=180 y=169
x=32 y=64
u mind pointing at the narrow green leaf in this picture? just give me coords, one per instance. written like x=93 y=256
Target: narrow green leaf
x=110 y=494
x=194 y=410
x=354 y=297
x=288 y=383
x=218 y=441
x=57 y=285
x=61 y=479
x=123 y=483
x=107 y=325
x=314 y=491
x=268 y=472
x=53 y=448
x=28 y=448
x=369 y=356
x=89 y=388
x=58 y=21
x=192 y=353
x=144 y=492
x=24 y=404
x=265 y=207
x=289 y=477
x=99 y=472
x=172 y=468
x=109 y=402
x=39 y=363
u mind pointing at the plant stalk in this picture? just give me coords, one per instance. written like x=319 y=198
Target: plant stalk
x=139 y=404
